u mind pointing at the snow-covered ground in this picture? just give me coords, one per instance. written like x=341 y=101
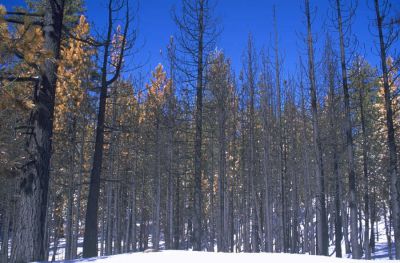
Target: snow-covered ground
x=381 y=254
x=210 y=257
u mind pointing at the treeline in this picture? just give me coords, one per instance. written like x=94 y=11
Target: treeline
x=198 y=156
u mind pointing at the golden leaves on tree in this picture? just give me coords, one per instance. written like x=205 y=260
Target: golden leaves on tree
x=73 y=67
x=394 y=85
x=157 y=91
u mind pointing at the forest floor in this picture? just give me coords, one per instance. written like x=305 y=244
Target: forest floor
x=209 y=257
x=182 y=256
x=381 y=254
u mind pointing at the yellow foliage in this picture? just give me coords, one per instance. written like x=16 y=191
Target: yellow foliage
x=75 y=59
x=31 y=44
x=159 y=87
x=157 y=91
x=116 y=46
x=3 y=10
x=16 y=97
x=394 y=89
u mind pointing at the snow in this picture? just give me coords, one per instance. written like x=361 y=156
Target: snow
x=381 y=254
x=209 y=257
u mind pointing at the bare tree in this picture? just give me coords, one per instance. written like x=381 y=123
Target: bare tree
x=196 y=39
x=90 y=235
x=356 y=253
x=322 y=225
x=283 y=220
x=393 y=171
x=331 y=75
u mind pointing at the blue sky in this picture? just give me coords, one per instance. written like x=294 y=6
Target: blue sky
x=238 y=18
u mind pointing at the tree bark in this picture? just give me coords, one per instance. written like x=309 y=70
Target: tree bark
x=90 y=239
x=365 y=169
x=91 y=221
x=355 y=246
x=322 y=225
x=197 y=222
x=393 y=171
x=29 y=238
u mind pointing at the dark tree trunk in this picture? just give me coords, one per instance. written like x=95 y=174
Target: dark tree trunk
x=322 y=225
x=331 y=75
x=365 y=170
x=355 y=246
x=90 y=240
x=282 y=236
x=91 y=221
x=29 y=238
x=6 y=222
x=393 y=171
x=197 y=222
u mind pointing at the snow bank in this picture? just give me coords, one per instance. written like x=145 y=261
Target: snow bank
x=209 y=257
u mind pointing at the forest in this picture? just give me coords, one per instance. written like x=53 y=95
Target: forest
x=97 y=159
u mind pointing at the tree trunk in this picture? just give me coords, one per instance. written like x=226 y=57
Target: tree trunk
x=393 y=171
x=335 y=159
x=365 y=171
x=212 y=203
x=177 y=219
x=76 y=231
x=156 y=222
x=322 y=225
x=282 y=240
x=91 y=221
x=266 y=172
x=29 y=238
x=355 y=246
x=6 y=223
x=70 y=190
x=197 y=215
x=373 y=216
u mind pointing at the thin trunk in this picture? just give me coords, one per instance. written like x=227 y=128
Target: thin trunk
x=373 y=216
x=365 y=170
x=282 y=240
x=388 y=230
x=90 y=240
x=223 y=235
x=91 y=221
x=117 y=201
x=355 y=246
x=5 y=227
x=335 y=159
x=70 y=190
x=345 y=216
x=170 y=187
x=197 y=216
x=393 y=171
x=266 y=170
x=308 y=246
x=212 y=202
x=322 y=225
x=133 y=201
x=177 y=219
x=156 y=223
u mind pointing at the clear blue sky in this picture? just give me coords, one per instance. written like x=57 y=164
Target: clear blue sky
x=238 y=18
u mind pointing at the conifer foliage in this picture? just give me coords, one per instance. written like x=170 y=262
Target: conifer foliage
x=97 y=158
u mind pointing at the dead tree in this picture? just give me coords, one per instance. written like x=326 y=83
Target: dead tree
x=196 y=39
x=322 y=225
x=91 y=231
x=355 y=246
x=393 y=171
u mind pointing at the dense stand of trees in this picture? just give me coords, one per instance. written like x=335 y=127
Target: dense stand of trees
x=198 y=156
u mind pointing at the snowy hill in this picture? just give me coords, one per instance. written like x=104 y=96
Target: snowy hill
x=210 y=257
